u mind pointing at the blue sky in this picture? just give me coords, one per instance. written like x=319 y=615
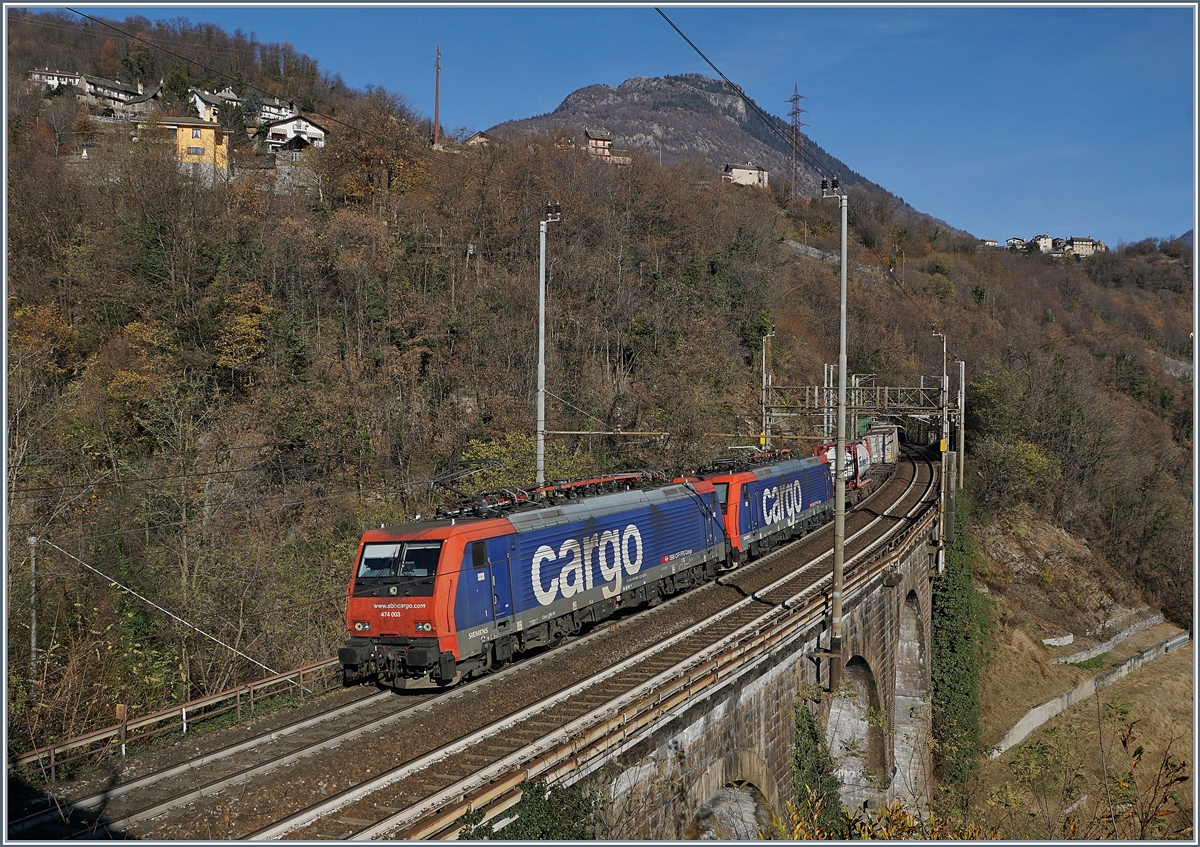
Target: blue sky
x=1077 y=121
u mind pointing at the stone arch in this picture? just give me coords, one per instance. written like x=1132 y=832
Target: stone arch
x=738 y=811
x=857 y=736
x=912 y=722
x=911 y=671
x=730 y=794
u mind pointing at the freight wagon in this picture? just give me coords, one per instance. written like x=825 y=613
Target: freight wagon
x=856 y=467
x=885 y=444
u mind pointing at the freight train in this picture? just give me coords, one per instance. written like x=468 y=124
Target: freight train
x=500 y=574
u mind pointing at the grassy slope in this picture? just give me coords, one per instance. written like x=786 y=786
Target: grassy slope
x=1019 y=674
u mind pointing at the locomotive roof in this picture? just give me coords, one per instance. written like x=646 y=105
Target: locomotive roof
x=786 y=466
x=596 y=506
x=415 y=526
x=763 y=471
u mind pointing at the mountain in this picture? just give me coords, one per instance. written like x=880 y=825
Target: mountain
x=688 y=116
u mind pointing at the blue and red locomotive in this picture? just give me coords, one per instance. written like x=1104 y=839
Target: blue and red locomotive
x=769 y=497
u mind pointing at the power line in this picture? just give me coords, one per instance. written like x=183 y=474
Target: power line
x=150 y=602
x=767 y=119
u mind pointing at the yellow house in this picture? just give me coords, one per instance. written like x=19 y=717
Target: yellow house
x=197 y=142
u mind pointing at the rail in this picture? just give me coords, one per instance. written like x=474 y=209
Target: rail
x=98 y=744
x=581 y=744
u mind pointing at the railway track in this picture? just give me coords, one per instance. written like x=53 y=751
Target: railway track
x=413 y=763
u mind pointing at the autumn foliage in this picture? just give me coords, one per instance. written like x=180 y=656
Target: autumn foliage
x=212 y=389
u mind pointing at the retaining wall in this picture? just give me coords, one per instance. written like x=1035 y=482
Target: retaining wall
x=1091 y=652
x=1043 y=712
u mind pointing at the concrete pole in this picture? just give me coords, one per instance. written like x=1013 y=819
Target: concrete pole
x=943 y=446
x=766 y=386
x=839 y=464
x=553 y=214
x=540 y=478
x=839 y=499
x=947 y=533
x=762 y=440
x=962 y=422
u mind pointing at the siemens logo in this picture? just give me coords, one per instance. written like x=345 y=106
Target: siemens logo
x=614 y=551
x=781 y=501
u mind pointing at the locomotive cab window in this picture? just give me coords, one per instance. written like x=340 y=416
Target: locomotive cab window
x=722 y=489
x=408 y=566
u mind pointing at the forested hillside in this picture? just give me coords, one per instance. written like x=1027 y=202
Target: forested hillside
x=198 y=55
x=213 y=390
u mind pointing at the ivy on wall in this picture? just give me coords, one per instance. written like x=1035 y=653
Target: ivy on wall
x=554 y=813
x=814 y=784
x=959 y=640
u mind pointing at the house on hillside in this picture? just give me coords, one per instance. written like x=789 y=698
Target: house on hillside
x=296 y=131
x=479 y=139
x=747 y=174
x=599 y=141
x=989 y=242
x=201 y=147
x=276 y=109
x=111 y=94
x=209 y=106
x=1084 y=247
x=117 y=98
x=142 y=105
x=107 y=96
x=1042 y=242
x=53 y=79
x=599 y=144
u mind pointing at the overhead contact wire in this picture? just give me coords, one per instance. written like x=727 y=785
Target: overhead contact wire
x=150 y=602
x=770 y=121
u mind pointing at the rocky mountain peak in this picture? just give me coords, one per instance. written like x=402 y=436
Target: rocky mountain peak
x=686 y=116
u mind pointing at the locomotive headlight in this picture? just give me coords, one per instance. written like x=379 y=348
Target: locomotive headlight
x=362 y=626
x=424 y=627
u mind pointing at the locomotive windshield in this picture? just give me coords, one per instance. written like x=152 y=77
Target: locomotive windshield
x=408 y=565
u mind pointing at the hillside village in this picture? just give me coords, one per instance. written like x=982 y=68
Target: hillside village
x=203 y=141
x=1058 y=248
x=281 y=133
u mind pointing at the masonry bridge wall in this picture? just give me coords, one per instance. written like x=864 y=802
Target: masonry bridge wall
x=663 y=782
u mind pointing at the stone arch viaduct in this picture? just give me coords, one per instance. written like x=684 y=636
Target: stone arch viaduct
x=740 y=735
